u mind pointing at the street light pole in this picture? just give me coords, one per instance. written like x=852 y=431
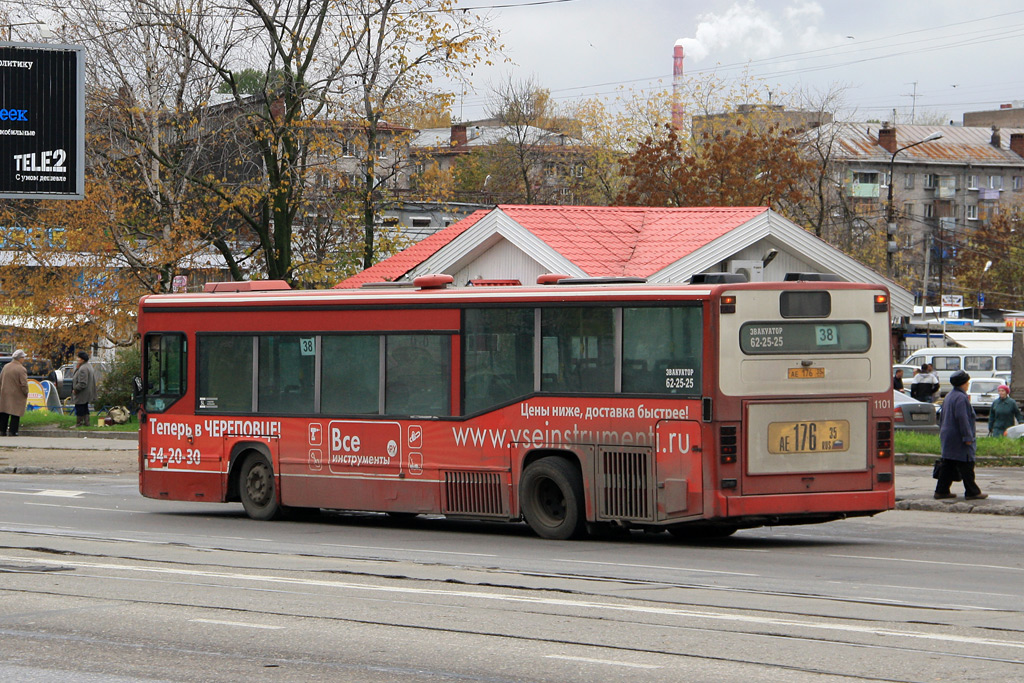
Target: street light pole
x=44 y=31
x=890 y=213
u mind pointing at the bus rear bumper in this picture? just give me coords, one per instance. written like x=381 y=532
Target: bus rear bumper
x=846 y=502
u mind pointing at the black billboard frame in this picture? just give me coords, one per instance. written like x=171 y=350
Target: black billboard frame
x=76 y=187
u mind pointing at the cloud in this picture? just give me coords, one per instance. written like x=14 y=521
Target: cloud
x=752 y=32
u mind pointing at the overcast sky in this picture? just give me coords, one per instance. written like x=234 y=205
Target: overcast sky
x=957 y=55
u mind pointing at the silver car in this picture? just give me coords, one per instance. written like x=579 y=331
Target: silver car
x=982 y=391
x=909 y=413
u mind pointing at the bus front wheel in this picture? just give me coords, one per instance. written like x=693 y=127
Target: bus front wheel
x=258 y=490
x=551 y=497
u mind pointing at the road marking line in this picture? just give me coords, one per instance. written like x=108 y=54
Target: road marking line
x=235 y=623
x=655 y=566
x=406 y=550
x=688 y=614
x=51 y=493
x=609 y=662
x=970 y=565
x=80 y=507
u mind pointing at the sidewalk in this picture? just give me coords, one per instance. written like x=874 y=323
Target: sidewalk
x=61 y=452
x=64 y=452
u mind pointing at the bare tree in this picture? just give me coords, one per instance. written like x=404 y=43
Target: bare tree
x=250 y=153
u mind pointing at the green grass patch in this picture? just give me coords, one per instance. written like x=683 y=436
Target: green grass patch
x=44 y=419
x=988 y=446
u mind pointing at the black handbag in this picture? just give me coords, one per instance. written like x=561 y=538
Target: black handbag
x=937 y=468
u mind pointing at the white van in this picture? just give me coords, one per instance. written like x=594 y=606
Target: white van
x=946 y=361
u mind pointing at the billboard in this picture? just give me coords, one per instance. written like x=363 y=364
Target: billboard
x=42 y=121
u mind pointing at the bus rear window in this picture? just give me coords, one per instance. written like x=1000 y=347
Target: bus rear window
x=805 y=304
x=766 y=338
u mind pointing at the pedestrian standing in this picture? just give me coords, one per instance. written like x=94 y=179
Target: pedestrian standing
x=897 y=379
x=958 y=441
x=83 y=389
x=13 y=394
x=1004 y=412
x=925 y=386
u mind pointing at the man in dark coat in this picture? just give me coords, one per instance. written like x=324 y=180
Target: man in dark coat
x=958 y=441
x=83 y=389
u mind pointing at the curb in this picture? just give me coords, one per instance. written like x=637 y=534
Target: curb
x=56 y=470
x=990 y=508
x=980 y=461
x=71 y=434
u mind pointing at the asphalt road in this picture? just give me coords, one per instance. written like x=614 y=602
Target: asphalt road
x=99 y=584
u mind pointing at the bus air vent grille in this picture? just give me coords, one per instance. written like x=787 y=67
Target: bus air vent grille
x=625 y=484
x=473 y=493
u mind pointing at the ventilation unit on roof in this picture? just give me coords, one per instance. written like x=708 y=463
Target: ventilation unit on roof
x=246 y=286
x=387 y=285
x=753 y=269
x=812 y=277
x=716 y=278
x=602 y=281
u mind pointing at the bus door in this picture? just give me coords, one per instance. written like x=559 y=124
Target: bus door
x=679 y=469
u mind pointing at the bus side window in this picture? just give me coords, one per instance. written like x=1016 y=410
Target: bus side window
x=166 y=362
x=661 y=350
x=946 y=362
x=1003 y=363
x=583 y=339
x=497 y=359
x=225 y=372
x=418 y=375
x=286 y=369
x=350 y=374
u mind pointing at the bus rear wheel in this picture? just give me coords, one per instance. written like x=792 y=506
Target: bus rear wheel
x=551 y=497
x=257 y=489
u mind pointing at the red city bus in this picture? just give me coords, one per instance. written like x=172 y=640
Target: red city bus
x=701 y=408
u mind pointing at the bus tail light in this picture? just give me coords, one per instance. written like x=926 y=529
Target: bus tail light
x=883 y=441
x=727 y=444
x=728 y=304
x=881 y=303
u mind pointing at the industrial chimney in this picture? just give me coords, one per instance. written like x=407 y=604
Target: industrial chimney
x=677 y=86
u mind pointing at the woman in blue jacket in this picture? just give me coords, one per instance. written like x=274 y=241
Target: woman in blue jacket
x=958 y=441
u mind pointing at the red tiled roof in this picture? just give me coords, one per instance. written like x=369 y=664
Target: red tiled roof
x=627 y=241
x=601 y=241
x=394 y=267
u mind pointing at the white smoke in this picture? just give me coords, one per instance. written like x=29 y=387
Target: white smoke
x=753 y=32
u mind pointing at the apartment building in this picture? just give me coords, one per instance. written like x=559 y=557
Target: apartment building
x=946 y=181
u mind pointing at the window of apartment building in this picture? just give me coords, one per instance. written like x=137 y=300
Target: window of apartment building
x=995 y=182
x=908 y=210
x=348 y=148
x=577 y=170
x=907 y=239
x=972 y=212
x=972 y=181
x=884 y=178
x=931 y=181
x=929 y=211
x=865 y=177
x=1018 y=182
x=908 y=181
